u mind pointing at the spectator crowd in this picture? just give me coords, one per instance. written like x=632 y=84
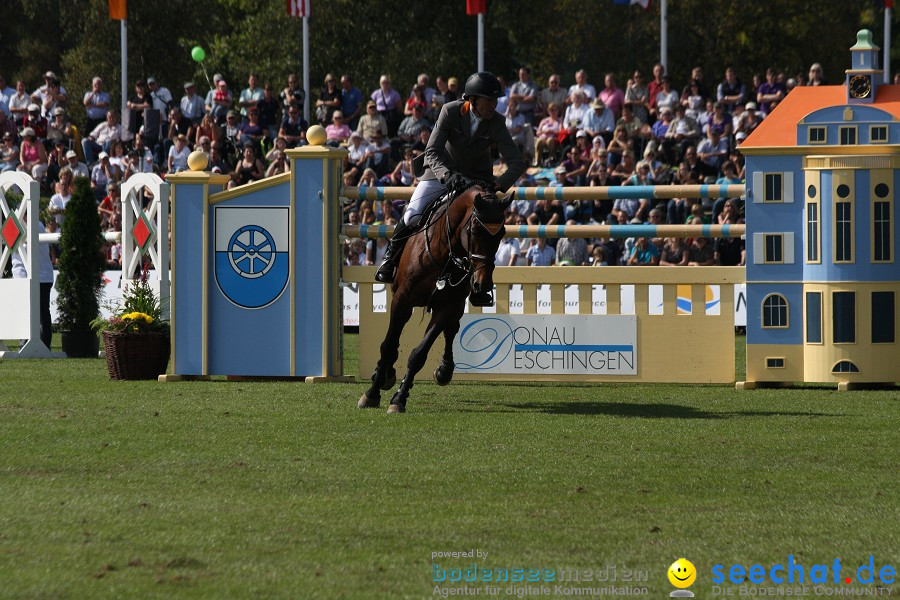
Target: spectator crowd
x=648 y=133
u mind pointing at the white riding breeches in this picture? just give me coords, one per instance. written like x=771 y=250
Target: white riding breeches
x=426 y=193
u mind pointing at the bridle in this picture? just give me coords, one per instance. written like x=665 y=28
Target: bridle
x=463 y=266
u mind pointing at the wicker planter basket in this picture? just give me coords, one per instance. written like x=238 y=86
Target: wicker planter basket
x=136 y=355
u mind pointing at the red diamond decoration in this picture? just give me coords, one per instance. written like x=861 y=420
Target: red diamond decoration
x=11 y=231
x=142 y=232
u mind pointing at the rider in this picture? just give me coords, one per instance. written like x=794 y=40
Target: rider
x=458 y=151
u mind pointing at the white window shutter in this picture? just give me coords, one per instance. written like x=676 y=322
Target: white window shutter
x=759 y=248
x=788 y=250
x=759 y=187
x=788 y=193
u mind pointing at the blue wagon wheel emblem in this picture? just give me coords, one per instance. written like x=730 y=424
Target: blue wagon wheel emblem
x=251 y=251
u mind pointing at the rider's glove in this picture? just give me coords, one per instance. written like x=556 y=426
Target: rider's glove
x=455 y=181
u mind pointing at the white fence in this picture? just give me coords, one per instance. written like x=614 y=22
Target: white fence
x=145 y=232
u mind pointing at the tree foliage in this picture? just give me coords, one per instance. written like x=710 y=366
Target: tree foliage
x=81 y=263
x=366 y=38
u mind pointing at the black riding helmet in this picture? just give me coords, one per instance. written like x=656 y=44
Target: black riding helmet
x=483 y=84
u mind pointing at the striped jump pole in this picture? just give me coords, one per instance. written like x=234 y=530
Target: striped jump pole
x=625 y=192
x=580 y=231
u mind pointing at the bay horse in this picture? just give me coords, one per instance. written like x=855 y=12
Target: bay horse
x=451 y=256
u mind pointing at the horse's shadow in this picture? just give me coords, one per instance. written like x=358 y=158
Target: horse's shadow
x=623 y=409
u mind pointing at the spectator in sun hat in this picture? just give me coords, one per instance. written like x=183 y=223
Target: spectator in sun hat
x=599 y=120
x=50 y=95
x=371 y=122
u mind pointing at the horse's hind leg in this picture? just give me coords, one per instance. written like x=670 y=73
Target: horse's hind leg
x=417 y=360
x=443 y=373
x=385 y=376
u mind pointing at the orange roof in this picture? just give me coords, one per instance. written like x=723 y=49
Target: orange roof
x=780 y=127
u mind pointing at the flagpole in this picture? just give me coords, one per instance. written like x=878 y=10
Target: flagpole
x=664 y=35
x=480 y=42
x=888 y=9
x=306 y=68
x=123 y=29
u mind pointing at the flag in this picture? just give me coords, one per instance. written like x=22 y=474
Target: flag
x=117 y=10
x=645 y=4
x=476 y=7
x=298 y=8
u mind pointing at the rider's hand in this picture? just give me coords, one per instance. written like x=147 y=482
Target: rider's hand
x=488 y=186
x=456 y=181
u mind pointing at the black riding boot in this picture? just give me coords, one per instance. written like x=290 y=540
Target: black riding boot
x=385 y=272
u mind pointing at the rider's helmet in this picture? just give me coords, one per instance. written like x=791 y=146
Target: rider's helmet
x=483 y=84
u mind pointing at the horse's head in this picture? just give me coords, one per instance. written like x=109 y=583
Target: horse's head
x=481 y=240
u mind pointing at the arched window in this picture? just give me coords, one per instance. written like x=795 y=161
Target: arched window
x=775 y=311
x=845 y=366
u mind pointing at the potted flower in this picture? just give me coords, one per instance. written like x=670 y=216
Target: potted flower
x=81 y=265
x=136 y=336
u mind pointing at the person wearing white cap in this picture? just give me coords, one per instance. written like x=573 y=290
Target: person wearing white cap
x=96 y=103
x=749 y=121
x=78 y=168
x=32 y=156
x=103 y=174
x=36 y=122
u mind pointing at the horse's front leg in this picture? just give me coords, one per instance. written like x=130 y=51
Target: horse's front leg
x=385 y=376
x=416 y=361
x=443 y=373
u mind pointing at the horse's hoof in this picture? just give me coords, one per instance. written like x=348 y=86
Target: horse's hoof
x=390 y=381
x=366 y=402
x=443 y=375
x=396 y=408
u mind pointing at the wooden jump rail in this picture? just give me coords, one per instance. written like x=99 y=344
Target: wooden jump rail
x=650 y=192
x=580 y=231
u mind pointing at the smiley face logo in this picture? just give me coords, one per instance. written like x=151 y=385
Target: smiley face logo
x=682 y=573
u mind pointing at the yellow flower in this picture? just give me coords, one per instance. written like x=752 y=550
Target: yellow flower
x=135 y=316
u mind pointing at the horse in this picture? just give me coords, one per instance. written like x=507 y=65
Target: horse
x=449 y=258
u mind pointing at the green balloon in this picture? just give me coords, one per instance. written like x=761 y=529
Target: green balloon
x=198 y=54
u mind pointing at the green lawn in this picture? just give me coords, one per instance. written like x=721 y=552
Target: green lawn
x=286 y=490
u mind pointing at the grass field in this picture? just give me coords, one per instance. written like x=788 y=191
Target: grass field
x=286 y=490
